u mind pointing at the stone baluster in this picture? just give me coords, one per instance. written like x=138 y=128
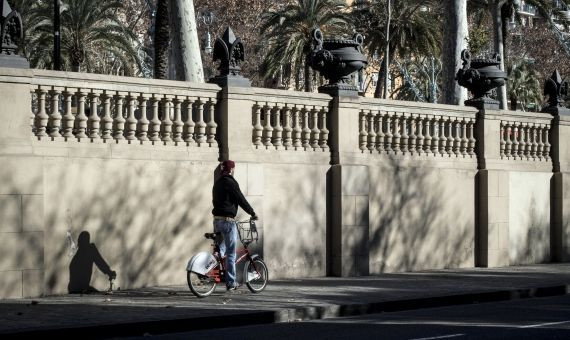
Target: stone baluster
x=371 y=133
x=420 y=135
x=118 y=119
x=107 y=119
x=200 y=129
x=41 y=119
x=363 y=133
x=435 y=136
x=297 y=131
x=177 y=123
x=428 y=135
x=166 y=123
x=547 y=145
x=131 y=121
x=464 y=140
x=472 y=140
x=93 y=121
x=516 y=143
x=540 y=146
x=534 y=145
x=528 y=141
x=315 y=129
x=32 y=114
x=502 y=142
x=404 y=138
x=442 y=138
x=306 y=135
x=68 y=118
x=396 y=137
x=324 y=136
x=522 y=141
x=457 y=139
x=142 y=124
x=413 y=136
x=154 y=126
x=267 y=128
x=257 y=128
x=54 y=121
x=450 y=139
x=287 y=129
x=508 y=141
x=212 y=127
x=189 y=125
x=80 y=118
x=380 y=136
x=277 y=138
x=389 y=136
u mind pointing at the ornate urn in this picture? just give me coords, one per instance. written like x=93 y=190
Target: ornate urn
x=480 y=76
x=336 y=60
x=11 y=31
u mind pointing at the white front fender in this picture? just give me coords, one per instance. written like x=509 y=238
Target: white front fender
x=202 y=263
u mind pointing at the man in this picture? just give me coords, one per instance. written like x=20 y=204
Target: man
x=226 y=196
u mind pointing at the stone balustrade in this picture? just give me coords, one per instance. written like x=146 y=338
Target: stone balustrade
x=90 y=109
x=385 y=128
x=525 y=137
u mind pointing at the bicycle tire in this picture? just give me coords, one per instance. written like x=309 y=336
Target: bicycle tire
x=200 y=285
x=255 y=275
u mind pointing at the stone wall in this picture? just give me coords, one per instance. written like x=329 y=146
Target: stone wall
x=343 y=186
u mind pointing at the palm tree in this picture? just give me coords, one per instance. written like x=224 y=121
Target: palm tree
x=91 y=35
x=161 y=40
x=414 y=30
x=524 y=87
x=287 y=32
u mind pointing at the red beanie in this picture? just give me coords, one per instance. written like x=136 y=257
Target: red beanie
x=227 y=167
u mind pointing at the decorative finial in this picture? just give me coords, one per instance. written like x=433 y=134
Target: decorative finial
x=555 y=88
x=230 y=52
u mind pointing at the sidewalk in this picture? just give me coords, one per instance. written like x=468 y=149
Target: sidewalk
x=163 y=309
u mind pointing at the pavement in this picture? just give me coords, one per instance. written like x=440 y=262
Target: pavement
x=158 y=310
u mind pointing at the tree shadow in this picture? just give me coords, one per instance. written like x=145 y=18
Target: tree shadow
x=81 y=266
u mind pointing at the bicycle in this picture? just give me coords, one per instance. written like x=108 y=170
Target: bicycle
x=206 y=270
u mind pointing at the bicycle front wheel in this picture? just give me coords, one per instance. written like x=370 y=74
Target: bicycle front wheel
x=255 y=275
x=200 y=285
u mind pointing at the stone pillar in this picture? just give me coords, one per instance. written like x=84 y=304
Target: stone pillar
x=348 y=194
x=560 y=189
x=492 y=195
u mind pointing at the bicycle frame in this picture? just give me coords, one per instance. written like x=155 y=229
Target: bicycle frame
x=217 y=272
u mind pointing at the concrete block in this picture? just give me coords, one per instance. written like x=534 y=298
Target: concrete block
x=33 y=283
x=347 y=265
x=362 y=266
x=504 y=184
x=355 y=180
x=10 y=213
x=11 y=284
x=498 y=258
x=362 y=210
x=241 y=177
x=493 y=236
x=255 y=179
x=354 y=241
x=493 y=183
x=21 y=175
x=503 y=235
x=21 y=250
x=348 y=210
x=33 y=212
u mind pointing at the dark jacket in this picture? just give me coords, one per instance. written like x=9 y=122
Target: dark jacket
x=227 y=196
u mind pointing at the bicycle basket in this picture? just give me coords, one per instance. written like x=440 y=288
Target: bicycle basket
x=247 y=232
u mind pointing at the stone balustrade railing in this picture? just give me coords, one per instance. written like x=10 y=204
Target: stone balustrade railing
x=290 y=121
x=434 y=130
x=525 y=137
x=86 y=107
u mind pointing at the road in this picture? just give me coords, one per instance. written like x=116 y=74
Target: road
x=538 y=318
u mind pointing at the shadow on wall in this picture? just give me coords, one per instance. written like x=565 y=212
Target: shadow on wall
x=81 y=266
x=536 y=243
x=152 y=216
x=421 y=218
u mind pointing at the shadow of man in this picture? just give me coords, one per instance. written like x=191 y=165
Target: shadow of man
x=81 y=266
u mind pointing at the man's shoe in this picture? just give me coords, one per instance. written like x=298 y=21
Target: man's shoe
x=235 y=286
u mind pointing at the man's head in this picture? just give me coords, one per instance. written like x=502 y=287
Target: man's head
x=228 y=167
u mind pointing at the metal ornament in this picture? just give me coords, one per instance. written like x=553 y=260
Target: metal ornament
x=229 y=51
x=11 y=35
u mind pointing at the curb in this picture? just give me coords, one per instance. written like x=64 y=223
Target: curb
x=289 y=314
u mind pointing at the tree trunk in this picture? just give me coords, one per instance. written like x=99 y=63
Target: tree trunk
x=455 y=41
x=499 y=48
x=185 y=44
x=380 y=80
x=308 y=77
x=387 y=52
x=514 y=103
x=161 y=37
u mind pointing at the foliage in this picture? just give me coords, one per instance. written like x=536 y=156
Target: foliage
x=523 y=87
x=93 y=36
x=286 y=30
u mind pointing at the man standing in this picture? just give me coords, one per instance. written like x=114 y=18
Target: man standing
x=226 y=196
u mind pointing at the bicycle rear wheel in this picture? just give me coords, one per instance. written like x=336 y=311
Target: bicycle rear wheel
x=200 y=285
x=255 y=275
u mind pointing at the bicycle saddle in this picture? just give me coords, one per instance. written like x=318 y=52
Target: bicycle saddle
x=212 y=236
